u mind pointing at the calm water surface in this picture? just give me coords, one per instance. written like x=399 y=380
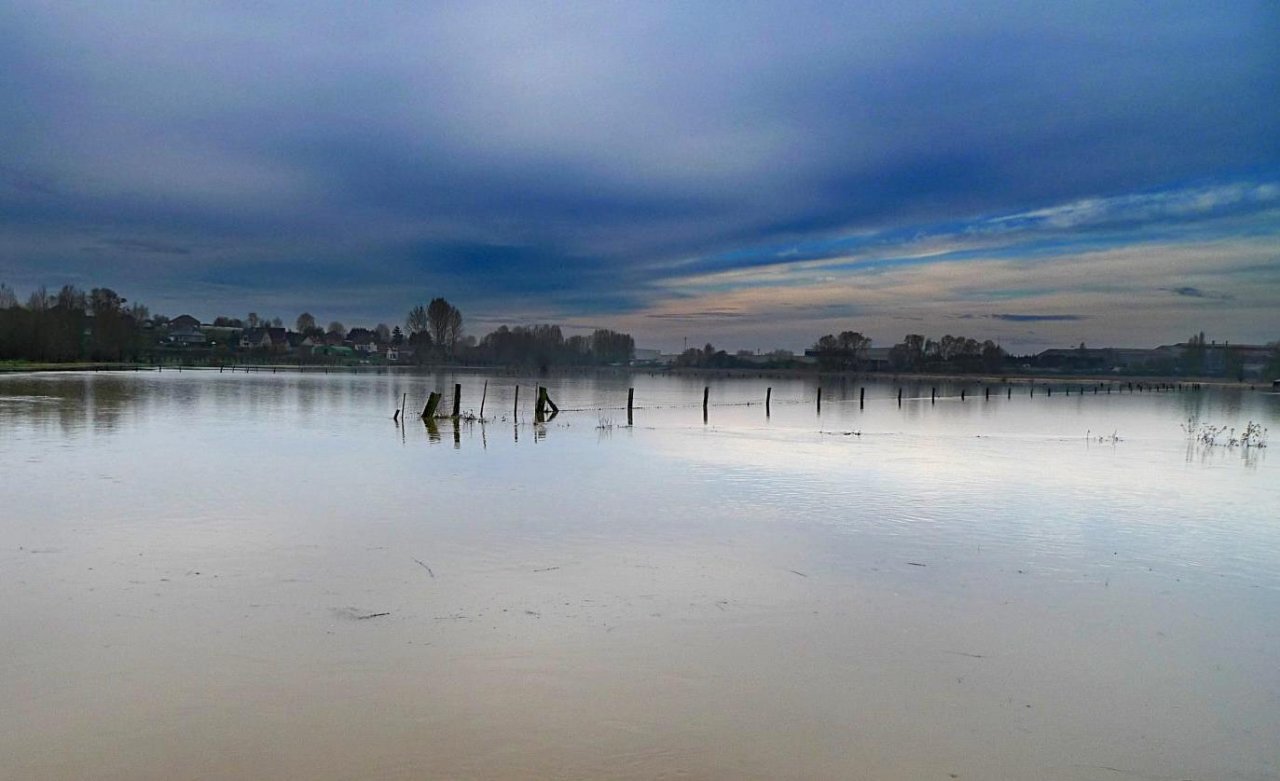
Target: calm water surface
x=262 y=576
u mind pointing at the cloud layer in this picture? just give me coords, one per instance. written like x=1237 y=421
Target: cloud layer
x=683 y=168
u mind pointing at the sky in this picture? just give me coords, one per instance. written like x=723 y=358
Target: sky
x=749 y=174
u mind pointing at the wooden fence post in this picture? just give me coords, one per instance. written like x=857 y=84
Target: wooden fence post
x=433 y=401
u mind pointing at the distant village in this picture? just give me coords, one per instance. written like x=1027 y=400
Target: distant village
x=186 y=333
x=97 y=326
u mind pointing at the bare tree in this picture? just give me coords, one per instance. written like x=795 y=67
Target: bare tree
x=417 y=320
x=445 y=322
x=337 y=328
x=72 y=299
x=306 y=321
x=39 y=300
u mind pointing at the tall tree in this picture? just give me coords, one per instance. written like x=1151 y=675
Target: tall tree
x=39 y=299
x=416 y=322
x=611 y=346
x=253 y=321
x=383 y=333
x=72 y=299
x=337 y=328
x=8 y=299
x=104 y=300
x=306 y=321
x=854 y=346
x=445 y=323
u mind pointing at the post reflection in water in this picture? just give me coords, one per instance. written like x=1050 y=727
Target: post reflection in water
x=225 y=570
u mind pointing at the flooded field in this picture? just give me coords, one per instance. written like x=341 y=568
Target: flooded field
x=228 y=576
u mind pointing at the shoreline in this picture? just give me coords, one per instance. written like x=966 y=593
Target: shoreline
x=735 y=373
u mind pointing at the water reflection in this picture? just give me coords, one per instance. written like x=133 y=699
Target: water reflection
x=190 y=563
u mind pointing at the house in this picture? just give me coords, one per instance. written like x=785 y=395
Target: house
x=363 y=340
x=277 y=339
x=255 y=339
x=186 y=336
x=397 y=353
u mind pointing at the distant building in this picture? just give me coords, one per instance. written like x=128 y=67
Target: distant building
x=398 y=353
x=1101 y=359
x=255 y=339
x=362 y=340
x=190 y=337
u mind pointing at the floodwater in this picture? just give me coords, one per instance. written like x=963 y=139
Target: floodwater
x=229 y=576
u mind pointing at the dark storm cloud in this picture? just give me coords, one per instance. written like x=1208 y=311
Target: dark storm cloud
x=579 y=155
x=1037 y=318
x=1195 y=292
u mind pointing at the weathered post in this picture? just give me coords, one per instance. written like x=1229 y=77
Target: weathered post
x=962 y=394
x=541 y=406
x=706 y=394
x=403 y=399
x=862 y=398
x=819 y=399
x=899 y=396
x=515 y=408
x=933 y=394
x=1049 y=389
x=631 y=398
x=768 y=397
x=1009 y=392
x=429 y=411
x=457 y=400
x=483 y=395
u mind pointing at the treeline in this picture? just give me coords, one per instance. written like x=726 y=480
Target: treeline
x=950 y=353
x=70 y=326
x=543 y=346
x=98 y=326
x=851 y=351
x=708 y=357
